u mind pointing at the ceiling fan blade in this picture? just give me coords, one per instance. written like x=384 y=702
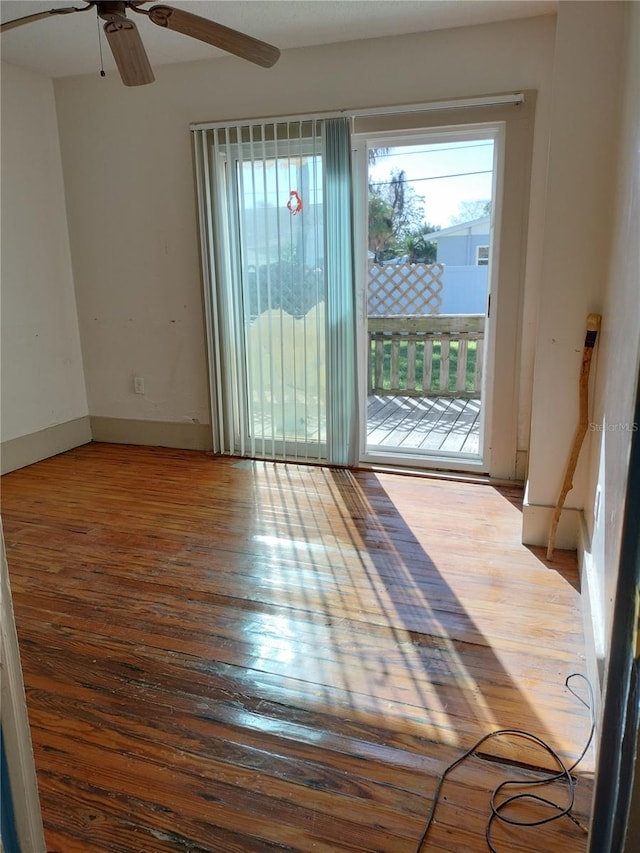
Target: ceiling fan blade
x=128 y=52
x=232 y=41
x=39 y=16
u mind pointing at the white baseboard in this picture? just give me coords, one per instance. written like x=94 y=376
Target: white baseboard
x=27 y=449
x=592 y=616
x=536 y=523
x=573 y=535
x=183 y=436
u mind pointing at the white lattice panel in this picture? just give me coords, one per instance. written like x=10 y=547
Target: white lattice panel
x=404 y=289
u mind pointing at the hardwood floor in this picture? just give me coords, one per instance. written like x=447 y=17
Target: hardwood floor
x=226 y=655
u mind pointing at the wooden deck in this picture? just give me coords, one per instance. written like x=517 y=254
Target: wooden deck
x=227 y=656
x=423 y=424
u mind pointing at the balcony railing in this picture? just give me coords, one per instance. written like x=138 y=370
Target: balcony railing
x=421 y=356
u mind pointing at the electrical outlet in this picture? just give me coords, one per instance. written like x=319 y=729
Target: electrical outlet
x=138 y=385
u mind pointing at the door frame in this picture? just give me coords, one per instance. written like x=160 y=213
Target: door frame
x=363 y=143
x=510 y=223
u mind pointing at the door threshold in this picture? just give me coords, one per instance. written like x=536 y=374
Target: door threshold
x=456 y=462
x=461 y=476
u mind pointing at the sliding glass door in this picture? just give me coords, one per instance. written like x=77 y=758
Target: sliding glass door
x=281 y=290
x=284 y=336
x=280 y=279
x=429 y=230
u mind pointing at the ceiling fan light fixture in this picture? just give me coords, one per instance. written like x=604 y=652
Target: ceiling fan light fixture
x=128 y=52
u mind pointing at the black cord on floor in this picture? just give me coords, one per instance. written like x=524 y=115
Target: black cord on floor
x=497 y=808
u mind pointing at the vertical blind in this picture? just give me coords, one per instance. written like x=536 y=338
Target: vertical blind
x=342 y=433
x=275 y=222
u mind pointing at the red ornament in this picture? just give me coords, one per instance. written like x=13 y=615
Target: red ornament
x=294 y=205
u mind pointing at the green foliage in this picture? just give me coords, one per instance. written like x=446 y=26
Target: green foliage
x=380 y=226
x=396 y=211
x=418 y=248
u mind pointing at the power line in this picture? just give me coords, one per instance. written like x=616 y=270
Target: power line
x=408 y=152
x=433 y=178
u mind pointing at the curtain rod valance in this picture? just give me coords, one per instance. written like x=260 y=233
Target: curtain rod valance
x=514 y=99
x=508 y=99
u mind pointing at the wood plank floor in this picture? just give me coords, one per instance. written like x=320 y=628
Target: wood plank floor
x=241 y=657
x=423 y=424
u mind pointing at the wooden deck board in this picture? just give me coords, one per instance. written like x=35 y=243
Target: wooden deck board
x=244 y=657
x=424 y=424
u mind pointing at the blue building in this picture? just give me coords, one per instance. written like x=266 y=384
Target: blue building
x=463 y=250
x=465 y=244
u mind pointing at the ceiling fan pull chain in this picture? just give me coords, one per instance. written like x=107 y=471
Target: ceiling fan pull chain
x=102 y=71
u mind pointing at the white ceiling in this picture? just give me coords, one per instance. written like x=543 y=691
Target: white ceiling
x=66 y=45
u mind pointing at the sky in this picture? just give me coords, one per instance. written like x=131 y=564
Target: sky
x=468 y=163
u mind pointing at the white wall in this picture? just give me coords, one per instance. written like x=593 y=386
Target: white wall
x=619 y=354
x=577 y=223
x=42 y=375
x=130 y=199
x=618 y=365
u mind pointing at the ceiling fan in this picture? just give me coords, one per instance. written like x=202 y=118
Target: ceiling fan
x=127 y=47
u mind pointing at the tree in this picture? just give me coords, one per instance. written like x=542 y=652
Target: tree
x=471 y=209
x=419 y=249
x=408 y=206
x=374 y=153
x=380 y=225
x=395 y=211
